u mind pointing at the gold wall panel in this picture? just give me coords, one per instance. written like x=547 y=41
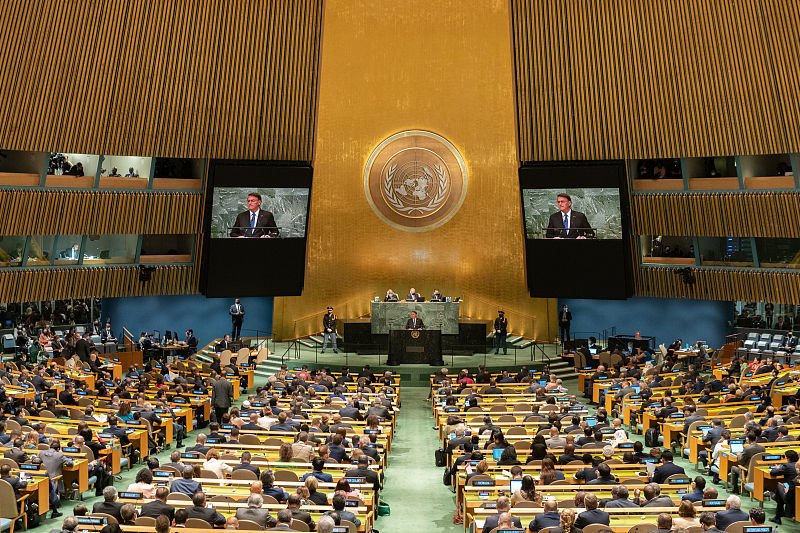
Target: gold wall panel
x=67 y=212
x=747 y=214
x=669 y=78
x=181 y=78
x=717 y=284
x=98 y=282
x=439 y=66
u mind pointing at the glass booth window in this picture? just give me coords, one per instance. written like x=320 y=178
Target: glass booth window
x=11 y=251
x=117 y=166
x=778 y=253
x=63 y=164
x=109 y=249
x=68 y=250
x=40 y=250
x=726 y=251
x=166 y=249
x=662 y=249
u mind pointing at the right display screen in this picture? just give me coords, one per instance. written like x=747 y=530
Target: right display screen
x=577 y=229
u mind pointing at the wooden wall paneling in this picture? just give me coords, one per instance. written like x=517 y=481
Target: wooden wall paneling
x=713 y=80
x=783 y=32
x=179 y=78
x=718 y=284
x=716 y=214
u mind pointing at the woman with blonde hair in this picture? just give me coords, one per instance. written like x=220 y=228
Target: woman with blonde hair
x=316 y=497
x=567 y=522
x=214 y=464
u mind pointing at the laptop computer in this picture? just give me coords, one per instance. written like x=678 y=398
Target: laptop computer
x=591 y=421
x=514 y=485
x=737 y=446
x=497 y=453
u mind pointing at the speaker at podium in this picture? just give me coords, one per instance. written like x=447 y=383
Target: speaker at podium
x=416 y=346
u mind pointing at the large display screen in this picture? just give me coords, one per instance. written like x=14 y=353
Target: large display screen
x=255 y=228
x=572 y=213
x=577 y=229
x=241 y=212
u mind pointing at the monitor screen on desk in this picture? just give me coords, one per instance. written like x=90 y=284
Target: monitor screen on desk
x=705 y=430
x=737 y=446
x=593 y=351
x=591 y=421
x=497 y=453
x=637 y=389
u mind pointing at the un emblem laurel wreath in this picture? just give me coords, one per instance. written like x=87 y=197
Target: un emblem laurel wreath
x=397 y=203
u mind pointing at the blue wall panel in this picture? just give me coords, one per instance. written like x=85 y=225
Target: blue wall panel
x=664 y=319
x=208 y=317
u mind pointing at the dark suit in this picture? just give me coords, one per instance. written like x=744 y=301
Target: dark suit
x=221 y=397
x=783 y=497
x=82 y=349
x=620 y=503
x=350 y=412
x=415 y=323
x=253 y=469
x=209 y=515
x=156 y=508
x=564 y=321
x=662 y=472
x=15 y=483
x=264 y=226
x=369 y=475
x=595 y=516
x=16 y=454
x=491 y=523
x=543 y=520
x=578 y=226
x=744 y=460
x=729 y=516
x=237 y=317
x=303 y=516
x=109 y=508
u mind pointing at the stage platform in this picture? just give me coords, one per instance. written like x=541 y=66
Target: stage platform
x=296 y=354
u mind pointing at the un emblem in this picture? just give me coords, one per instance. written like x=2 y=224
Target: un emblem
x=415 y=180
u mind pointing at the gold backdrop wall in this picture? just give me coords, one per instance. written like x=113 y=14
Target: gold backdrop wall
x=440 y=66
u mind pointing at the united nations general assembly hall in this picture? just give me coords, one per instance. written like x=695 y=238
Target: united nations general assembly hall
x=361 y=266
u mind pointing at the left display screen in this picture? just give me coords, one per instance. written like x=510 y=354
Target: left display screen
x=260 y=213
x=255 y=228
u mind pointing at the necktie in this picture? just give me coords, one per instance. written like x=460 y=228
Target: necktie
x=252 y=222
x=566 y=223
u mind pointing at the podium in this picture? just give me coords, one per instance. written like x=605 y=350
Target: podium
x=418 y=346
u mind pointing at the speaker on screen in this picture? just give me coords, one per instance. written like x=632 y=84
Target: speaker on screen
x=577 y=229
x=255 y=228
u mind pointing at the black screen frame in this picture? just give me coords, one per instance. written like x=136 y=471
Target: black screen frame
x=578 y=268
x=267 y=267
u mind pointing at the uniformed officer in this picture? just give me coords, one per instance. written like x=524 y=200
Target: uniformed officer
x=329 y=330
x=500 y=332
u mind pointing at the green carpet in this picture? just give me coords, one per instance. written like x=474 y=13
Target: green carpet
x=413 y=487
